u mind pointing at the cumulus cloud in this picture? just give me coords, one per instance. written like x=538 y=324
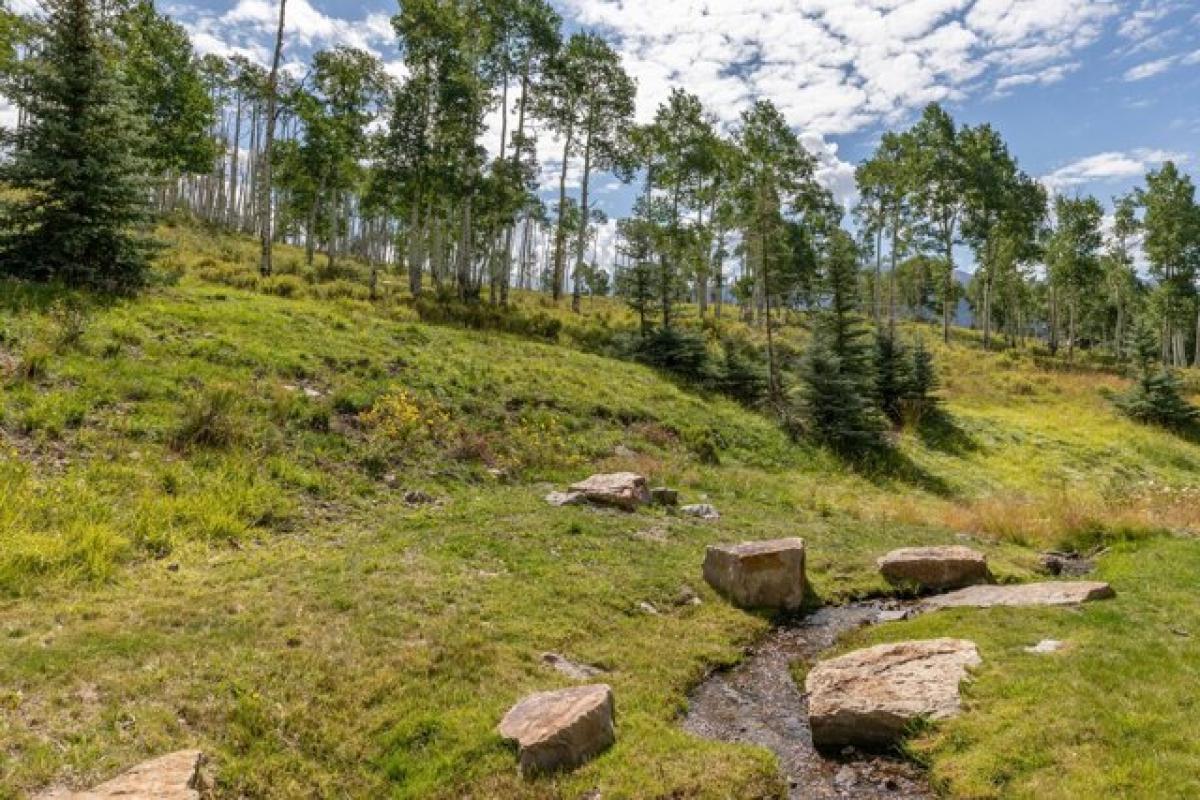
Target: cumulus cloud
x=836 y=67
x=1109 y=166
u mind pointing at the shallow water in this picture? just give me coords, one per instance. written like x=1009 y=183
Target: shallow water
x=757 y=702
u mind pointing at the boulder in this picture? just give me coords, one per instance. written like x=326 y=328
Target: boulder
x=700 y=511
x=171 y=777
x=935 y=568
x=625 y=490
x=1051 y=593
x=872 y=697
x=663 y=496
x=560 y=499
x=562 y=729
x=758 y=574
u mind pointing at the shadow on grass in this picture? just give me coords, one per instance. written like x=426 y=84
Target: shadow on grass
x=887 y=466
x=939 y=431
x=18 y=297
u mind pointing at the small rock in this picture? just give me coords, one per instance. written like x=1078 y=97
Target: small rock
x=1053 y=593
x=871 y=697
x=621 y=451
x=172 y=777
x=648 y=608
x=1070 y=565
x=625 y=490
x=172 y=568
x=1181 y=632
x=700 y=511
x=562 y=729
x=758 y=574
x=687 y=597
x=1046 y=646
x=416 y=497
x=935 y=568
x=390 y=480
x=572 y=669
x=662 y=496
x=560 y=499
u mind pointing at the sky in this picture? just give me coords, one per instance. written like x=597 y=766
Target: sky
x=1089 y=94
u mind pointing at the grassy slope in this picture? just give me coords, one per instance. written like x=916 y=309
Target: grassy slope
x=275 y=601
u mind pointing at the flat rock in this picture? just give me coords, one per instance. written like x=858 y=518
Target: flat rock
x=935 y=568
x=1045 y=647
x=872 y=697
x=700 y=511
x=560 y=499
x=170 y=777
x=562 y=729
x=625 y=490
x=1050 y=593
x=758 y=574
x=572 y=669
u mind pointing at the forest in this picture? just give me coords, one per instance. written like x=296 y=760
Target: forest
x=296 y=357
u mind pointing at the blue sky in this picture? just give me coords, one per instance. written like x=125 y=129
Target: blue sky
x=1088 y=93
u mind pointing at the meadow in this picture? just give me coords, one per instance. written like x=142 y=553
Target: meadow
x=304 y=531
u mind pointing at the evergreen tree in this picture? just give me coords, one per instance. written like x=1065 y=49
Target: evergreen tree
x=1157 y=397
x=838 y=383
x=77 y=164
x=922 y=380
x=893 y=376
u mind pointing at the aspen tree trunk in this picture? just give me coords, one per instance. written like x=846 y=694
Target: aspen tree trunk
x=231 y=218
x=560 y=237
x=267 y=233
x=581 y=239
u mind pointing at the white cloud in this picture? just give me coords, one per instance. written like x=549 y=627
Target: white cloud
x=1109 y=166
x=1149 y=69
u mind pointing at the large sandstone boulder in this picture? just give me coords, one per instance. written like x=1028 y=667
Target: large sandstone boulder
x=935 y=568
x=171 y=777
x=562 y=729
x=1052 y=593
x=625 y=490
x=758 y=574
x=872 y=697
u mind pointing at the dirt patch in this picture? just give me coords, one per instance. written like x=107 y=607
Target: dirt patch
x=757 y=702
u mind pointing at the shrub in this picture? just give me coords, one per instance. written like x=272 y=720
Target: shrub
x=34 y=363
x=69 y=316
x=210 y=419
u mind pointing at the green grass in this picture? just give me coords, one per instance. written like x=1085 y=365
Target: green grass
x=204 y=541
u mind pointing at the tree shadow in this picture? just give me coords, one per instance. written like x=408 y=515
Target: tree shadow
x=887 y=466
x=21 y=297
x=939 y=431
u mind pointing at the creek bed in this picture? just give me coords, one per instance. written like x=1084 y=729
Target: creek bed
x=757 y=702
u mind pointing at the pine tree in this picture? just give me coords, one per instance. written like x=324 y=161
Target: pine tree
x=893 y=376
x=837 y=377
x=923 y=380
x=1157 y=397
x=81 y=182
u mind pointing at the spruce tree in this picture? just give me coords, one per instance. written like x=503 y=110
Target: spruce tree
x=81 y=183
x=893 y=375
x=838 y=382
x=922 y=379
x=1157 y=397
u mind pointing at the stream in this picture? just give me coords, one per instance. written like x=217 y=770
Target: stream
x=757 y=702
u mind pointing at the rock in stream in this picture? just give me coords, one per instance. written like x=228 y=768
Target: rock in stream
x=757 y=702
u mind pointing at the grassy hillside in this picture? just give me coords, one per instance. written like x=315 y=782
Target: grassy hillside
x=207 y=538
